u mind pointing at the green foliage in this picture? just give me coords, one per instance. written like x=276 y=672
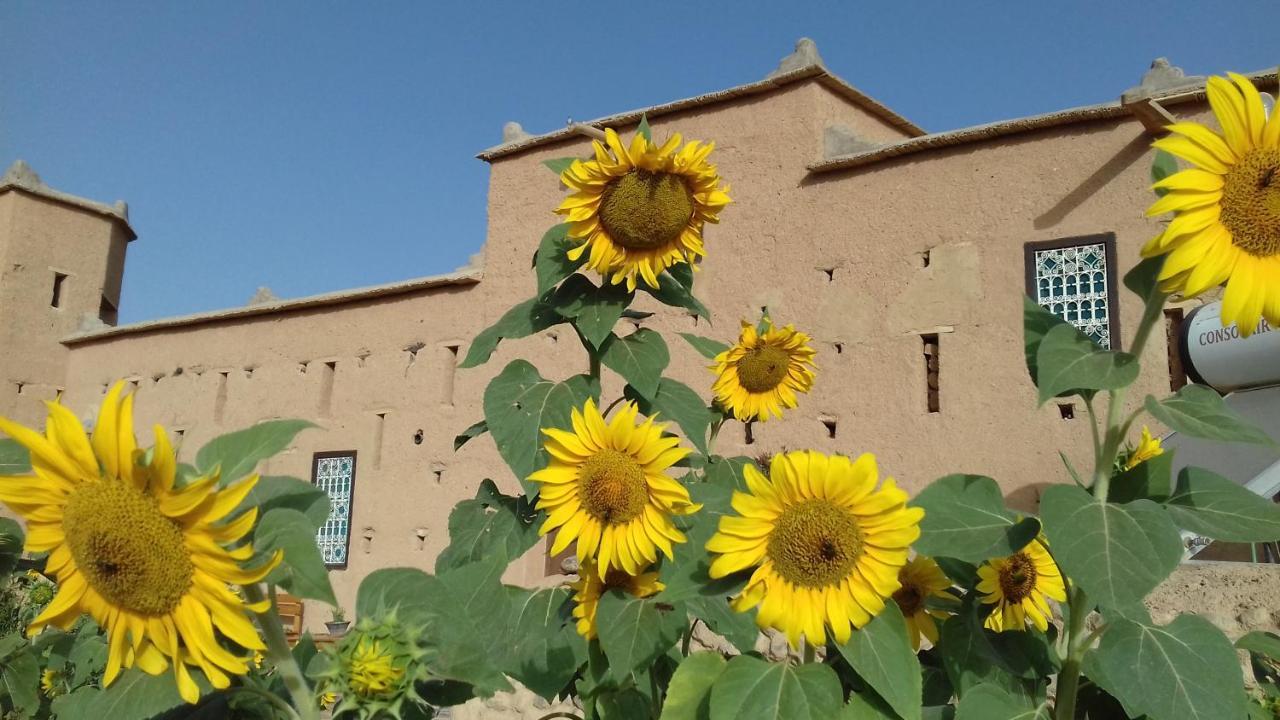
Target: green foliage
x=546 y=648
x=490 y=525
x=991 y=702
x=643 y=128
x=689 y=694
x=593 y=310
x=639 y=358
x=1216 y=507
x=676 y=401
x=636 y=631
x=531 y=316
x=277 y=491
x=1037 y=321
x=753 y=689
x=238 y=453
x=705 y=346
x=965 y=518
x=1185 y=670
x=302 y=572
x=471 y=433
x=672 y=290
x=1149 y=480
x=519 y=403
x=1117 y=553
x=1200 y=412
x=134 y=695
x=14 y=459
x=881 y=654
x=1164 y=165
x=1068 y=362
x=11 y=540
x=559 y=165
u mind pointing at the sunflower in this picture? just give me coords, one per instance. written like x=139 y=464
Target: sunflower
x=1227 y=222
x=761 y=374
x=590 y=586
x=1018 y=586
x=51 y=683
x=640 y=210
x=1148 y=448
x=374 y=670
x=825 y=543
x=147 y=560
x=921 y=579
x=606 y=487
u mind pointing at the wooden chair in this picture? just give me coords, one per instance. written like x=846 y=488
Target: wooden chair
x=290 y=609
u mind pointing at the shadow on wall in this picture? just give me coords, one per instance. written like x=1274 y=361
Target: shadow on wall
x=1110 y=170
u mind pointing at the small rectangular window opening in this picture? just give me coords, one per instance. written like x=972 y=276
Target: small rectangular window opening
x=220 y=399
x=58 y=280
x=450 y=354
x=830 y=424
x=326 y=387
x=931 y=371
x=1067 y=411
x=1173 y=325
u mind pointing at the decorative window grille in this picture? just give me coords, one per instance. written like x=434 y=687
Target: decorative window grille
x=1074 y=280
x=335 y=473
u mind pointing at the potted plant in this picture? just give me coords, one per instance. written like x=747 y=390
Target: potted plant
x=338 y=624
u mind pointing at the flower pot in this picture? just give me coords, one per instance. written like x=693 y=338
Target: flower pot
x=338 y=628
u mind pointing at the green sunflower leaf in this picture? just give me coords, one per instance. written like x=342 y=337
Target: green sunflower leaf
x=469 y=619
x=529 y=317
x=489 y=525
x=559 y=165
x=965 y=518
x=636 y=631
x=1211 y=505
x=1143 y=279
x=1149 y=480
x=676 y=402
x=1199 y=411
x=279 y=491
x=239 y=452
x=302 y=572
x=474 y=431
x=14 y=459
x=1262 y=643
x=20 y=676
x=705 y=346
x=639 y=358
x=542 y=653
x=1037 y=321
x=754 y=689
x=643 y=128
x=881 y=654
x=1162 y=166
x=971 y=661
x=134 y=695
x=593 y=310
x=990 y=702
x=1186 y=670
x=687 y=575
x=551 y=263
x=387 y=589
x=519 y=403
x=12 y=538
x=683 y=274
x=672 y=291
x=1117 y=553
x=1069 y=362
x=689 y=694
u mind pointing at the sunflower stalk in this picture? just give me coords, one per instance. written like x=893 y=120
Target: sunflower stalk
x=279 y=654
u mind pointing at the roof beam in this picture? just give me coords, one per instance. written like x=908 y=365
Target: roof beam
x=1151 y=114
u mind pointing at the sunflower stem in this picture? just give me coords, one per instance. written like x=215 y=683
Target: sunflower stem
x=1069 y=677
x=715 y=432
x=688 y=637
x=655 y=695
x=278 y=651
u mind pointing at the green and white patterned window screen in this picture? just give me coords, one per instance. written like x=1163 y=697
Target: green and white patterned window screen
x=1074 y=283
x=335 y=473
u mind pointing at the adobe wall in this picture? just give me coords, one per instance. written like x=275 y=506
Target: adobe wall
x=841 y=255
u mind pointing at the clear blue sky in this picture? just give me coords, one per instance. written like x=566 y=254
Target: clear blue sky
x=316 y=146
